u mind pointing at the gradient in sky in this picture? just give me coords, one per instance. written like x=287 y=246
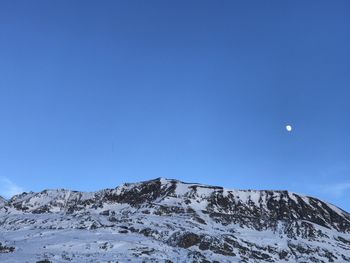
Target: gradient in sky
x=97 y=93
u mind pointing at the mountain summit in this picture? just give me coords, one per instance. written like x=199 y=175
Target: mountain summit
x=165 y=220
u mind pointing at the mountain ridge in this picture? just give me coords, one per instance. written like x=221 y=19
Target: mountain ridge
x=177 y=181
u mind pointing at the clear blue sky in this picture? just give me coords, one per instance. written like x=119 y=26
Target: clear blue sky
x=97 y=93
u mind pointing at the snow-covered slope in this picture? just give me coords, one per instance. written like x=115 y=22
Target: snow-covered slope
x=2 y=201
x=170 y=221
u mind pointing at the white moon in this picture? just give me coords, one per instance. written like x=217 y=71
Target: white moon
x=289 y=128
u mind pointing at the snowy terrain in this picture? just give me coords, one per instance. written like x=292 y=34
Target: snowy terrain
x=170 y=221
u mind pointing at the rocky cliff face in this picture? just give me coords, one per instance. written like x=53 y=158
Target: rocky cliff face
x=170 y=221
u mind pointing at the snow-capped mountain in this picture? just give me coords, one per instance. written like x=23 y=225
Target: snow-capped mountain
x=166 y=220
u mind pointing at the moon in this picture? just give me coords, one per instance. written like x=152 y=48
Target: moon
x=289 y=128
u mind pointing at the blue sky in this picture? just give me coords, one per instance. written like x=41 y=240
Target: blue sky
x=97 y=93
